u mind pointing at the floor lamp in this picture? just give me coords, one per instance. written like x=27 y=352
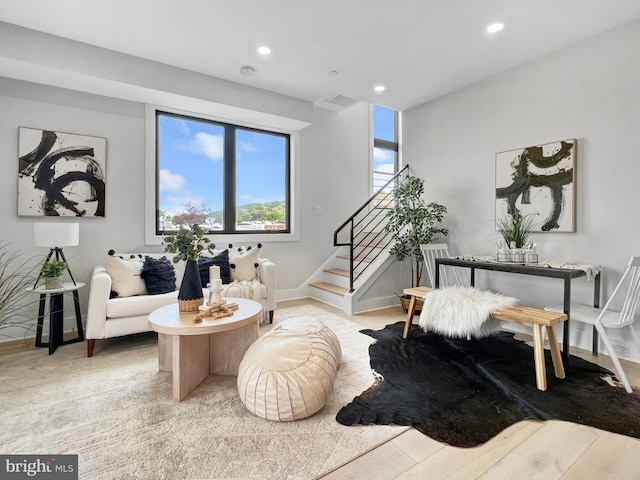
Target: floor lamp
x=55 y=236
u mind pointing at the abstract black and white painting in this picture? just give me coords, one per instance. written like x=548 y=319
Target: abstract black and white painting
x=60 y=174
x=538 y=181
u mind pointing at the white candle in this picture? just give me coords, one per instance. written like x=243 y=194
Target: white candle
x=214 y=273
x=216 y=284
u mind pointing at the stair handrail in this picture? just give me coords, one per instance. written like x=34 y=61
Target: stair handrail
x=379 y=197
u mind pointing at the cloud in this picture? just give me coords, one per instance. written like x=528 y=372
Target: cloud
x=386 y=168
x=210 y=145
x=382 y=156
x=247 y=147
x=182 y=126
x=206 y=144
x=171 y=182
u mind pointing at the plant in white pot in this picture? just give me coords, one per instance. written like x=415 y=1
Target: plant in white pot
x=187 y=245
x=412 y=222
x=52 y=273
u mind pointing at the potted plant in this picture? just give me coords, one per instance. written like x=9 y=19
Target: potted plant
x=411 y=223
x=515 y=228
x=187 y=245
x=52 y=273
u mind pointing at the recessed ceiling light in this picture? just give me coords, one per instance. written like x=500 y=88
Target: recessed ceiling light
x=379 y=88
x=495 y=27
x=333 y=72
x=264 y=50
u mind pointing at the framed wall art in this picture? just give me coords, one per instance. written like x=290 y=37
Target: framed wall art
x=539 y=182
x=60 y=174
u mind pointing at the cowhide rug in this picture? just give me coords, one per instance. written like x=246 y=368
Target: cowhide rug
x=464 y=392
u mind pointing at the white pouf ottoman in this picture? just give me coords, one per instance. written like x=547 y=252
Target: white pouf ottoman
x=288 y=373
x=311 y=325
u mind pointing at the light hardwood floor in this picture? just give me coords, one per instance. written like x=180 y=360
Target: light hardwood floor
x=528 y=450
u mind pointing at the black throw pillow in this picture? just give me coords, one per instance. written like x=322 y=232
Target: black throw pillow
x=158 y=275
x=221 y=260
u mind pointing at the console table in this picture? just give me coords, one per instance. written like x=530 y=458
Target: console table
x=56 y=314
x=565 y=274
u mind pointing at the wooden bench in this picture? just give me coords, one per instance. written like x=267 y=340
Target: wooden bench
x=531 y=317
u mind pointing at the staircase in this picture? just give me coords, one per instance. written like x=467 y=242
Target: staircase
x=363 y=254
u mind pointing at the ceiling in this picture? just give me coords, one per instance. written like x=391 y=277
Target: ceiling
x=418 y=49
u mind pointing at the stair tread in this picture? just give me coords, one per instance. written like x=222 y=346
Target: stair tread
x=357 y=259
x=338 y=271
x=330 y=287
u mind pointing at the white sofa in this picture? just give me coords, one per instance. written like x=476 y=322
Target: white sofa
x=113 y=317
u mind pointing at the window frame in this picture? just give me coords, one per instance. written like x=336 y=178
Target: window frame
x=153 y=237
x=393 y=146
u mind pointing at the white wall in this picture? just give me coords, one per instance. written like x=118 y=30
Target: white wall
x=589 y=92
x=333 y=168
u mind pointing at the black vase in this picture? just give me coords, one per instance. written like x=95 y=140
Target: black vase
x=190 y=295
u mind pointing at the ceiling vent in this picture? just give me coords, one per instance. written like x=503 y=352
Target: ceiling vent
x=336 y=102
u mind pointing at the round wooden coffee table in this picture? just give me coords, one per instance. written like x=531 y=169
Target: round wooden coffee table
x=193 y=351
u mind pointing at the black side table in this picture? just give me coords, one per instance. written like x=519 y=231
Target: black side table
x=56 y=315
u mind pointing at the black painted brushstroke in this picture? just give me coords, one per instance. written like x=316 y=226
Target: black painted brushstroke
x=28 y=162
x=535 y=156
x=55 y=194
x=523 y=180
x=44 y=165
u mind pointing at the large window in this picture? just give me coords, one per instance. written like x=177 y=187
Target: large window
x=385 y=145
x=227 y=178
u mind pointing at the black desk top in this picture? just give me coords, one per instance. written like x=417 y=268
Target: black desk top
x=540 y=270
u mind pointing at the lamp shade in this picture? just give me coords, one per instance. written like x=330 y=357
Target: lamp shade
x=47 y=234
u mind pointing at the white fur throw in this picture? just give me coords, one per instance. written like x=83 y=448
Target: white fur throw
x=463 y=311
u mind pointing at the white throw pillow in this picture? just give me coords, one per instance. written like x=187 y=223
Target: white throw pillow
x=125 y=276
x=243 y=264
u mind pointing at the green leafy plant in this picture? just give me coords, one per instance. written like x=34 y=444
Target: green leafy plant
x=515 y=228
x=16 y=276
x=188 y=244
x=53 y=269
x=412 y=223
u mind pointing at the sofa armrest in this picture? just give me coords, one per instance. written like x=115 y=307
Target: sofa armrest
x=99 y=292
x=267 y=275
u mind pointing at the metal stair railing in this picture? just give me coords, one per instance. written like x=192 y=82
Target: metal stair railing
x=364 y=231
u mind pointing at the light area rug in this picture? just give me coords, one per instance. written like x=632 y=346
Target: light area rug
x=115 y=411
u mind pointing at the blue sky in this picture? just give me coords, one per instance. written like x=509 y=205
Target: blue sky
x=191 y=165
x=383 y=128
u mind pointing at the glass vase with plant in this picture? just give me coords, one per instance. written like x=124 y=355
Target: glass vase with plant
x=515 y=228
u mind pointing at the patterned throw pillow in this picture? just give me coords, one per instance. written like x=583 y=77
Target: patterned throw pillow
x=158 y=275
x=244 y=264
x=125 y=276
x=221 y=260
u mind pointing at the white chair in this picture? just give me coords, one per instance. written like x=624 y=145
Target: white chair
x=448 y=276
x=605 y=318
